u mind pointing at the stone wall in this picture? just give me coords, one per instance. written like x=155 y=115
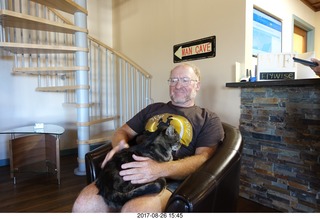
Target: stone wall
x=281 y=156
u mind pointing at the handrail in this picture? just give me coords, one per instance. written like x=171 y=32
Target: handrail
x=124 y=57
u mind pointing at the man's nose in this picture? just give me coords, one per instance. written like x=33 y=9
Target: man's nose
x=179 y=84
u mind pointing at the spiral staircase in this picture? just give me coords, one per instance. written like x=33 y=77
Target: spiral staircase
x=104 y=86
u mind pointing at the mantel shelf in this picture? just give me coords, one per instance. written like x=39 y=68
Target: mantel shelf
x=296 y=82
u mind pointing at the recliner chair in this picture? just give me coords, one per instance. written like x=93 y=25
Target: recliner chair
x=214 y=187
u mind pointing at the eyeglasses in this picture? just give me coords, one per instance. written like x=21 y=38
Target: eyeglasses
x=183 y=81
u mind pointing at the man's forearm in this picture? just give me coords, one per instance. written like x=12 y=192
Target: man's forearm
x=123 y=133
x=118 y=136
x=180 y=169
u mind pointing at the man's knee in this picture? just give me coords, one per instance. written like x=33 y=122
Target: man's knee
x=137 y=205
x=148 y=203
x=89 y=201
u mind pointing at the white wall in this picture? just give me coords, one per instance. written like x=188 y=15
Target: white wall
x=100 y=20
x=147 y=30
x=317 y=34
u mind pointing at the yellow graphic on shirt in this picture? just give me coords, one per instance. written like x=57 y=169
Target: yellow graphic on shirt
x=180 y=124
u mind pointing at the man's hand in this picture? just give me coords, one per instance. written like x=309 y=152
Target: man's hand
x=142 y=170
x=317 y=68
x=122 y=144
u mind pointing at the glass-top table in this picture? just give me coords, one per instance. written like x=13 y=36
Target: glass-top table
x=47 y=129
x=35 y=149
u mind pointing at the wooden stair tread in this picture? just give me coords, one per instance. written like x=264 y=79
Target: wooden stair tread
x=27 y=48
x=61 y=88
x=68 y=6
x=97 y=120
x=39 y=70
x=99 y=138
x=14 y=19
x=77 y=105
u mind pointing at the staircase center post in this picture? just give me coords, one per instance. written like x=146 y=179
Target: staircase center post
x=82 y=94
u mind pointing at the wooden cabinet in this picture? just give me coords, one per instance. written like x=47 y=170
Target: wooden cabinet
x=35 y=150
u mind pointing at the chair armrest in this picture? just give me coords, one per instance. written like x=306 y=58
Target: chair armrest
x=93 y=160
x=214 y=187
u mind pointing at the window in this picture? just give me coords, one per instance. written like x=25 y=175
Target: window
x=267 y=33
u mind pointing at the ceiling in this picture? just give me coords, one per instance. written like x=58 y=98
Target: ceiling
x=313 y=4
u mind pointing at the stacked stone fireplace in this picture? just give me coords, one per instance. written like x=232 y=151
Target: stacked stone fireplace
x=280 y=124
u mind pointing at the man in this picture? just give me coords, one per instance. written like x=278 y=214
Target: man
x=317 y=68
x=200 y=131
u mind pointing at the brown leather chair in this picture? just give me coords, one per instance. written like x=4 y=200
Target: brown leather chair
x=214 y=187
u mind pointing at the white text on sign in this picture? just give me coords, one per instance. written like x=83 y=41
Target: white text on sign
x=198 y=49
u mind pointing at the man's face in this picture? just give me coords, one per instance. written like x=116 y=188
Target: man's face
x=184 y=86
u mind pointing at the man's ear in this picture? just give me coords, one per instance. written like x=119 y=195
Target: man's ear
x=198 y=85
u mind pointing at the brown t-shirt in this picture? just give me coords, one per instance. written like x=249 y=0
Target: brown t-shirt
x=198 y=127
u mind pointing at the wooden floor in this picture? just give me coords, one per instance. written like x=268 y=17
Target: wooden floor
x=41 y=193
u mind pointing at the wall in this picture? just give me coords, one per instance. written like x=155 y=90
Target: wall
x=100 y=20
x=317 y=34
x=21 y=105
x=147 y=30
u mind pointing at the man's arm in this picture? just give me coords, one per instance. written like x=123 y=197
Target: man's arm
x=180 y=169
x=123 y=133
x=145 y=170
x=119 y=141
x=317 y=68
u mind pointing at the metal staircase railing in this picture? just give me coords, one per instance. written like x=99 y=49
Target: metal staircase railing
x=43 y=43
